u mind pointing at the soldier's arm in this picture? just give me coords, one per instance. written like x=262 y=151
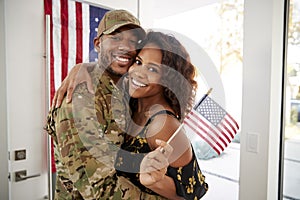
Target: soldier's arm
x=78 y=74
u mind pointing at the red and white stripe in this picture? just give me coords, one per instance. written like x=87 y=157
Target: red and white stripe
x=69 y=37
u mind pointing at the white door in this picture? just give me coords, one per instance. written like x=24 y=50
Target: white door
x=23 y=104
x=23 y=98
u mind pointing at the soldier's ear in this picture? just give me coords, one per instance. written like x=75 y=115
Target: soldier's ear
x=97 y=42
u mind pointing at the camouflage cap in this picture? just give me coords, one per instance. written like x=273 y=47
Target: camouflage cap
x=112 y=20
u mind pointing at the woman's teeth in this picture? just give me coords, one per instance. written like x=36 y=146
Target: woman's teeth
x=137 y=83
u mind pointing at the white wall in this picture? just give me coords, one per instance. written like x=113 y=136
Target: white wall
x=150 y=10
x=130 y=5
x=262 y=72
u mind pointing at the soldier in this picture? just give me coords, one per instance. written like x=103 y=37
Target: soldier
x=85 y=134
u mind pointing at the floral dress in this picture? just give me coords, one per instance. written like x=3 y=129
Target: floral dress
x=189 y=180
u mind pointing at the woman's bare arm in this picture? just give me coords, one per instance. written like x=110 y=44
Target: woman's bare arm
x=155 y=163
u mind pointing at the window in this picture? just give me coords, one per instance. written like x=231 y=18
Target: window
x=291 y=162
x=217 y=29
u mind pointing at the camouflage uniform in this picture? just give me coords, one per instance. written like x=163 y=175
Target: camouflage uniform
x=87 y=137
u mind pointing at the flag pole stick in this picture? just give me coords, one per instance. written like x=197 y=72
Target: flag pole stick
x=202 y=99
x=175 y=133
x=181 y=125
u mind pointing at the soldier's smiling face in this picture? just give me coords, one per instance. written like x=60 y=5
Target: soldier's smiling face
x=117 y=51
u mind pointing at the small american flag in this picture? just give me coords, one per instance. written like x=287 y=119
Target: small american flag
x=212 y=123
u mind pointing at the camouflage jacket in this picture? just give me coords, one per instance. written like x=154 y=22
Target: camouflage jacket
x=86 y=138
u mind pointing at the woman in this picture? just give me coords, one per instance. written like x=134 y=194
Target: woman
x=162 y=88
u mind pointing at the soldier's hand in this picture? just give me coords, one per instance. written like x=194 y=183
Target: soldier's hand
x=78 y=74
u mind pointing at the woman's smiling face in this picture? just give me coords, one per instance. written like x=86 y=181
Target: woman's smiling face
x=146 y=73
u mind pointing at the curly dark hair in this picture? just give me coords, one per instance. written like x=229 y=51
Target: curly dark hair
x=179 y=88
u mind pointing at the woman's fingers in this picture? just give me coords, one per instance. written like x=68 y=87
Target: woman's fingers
x=154 y=165
x=152 y=177
x=164 y=147
x=157 y=159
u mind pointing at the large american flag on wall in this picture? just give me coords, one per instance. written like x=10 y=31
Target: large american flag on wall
x=73 y=26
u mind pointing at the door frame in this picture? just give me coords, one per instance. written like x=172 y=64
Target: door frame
x=4 y=188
